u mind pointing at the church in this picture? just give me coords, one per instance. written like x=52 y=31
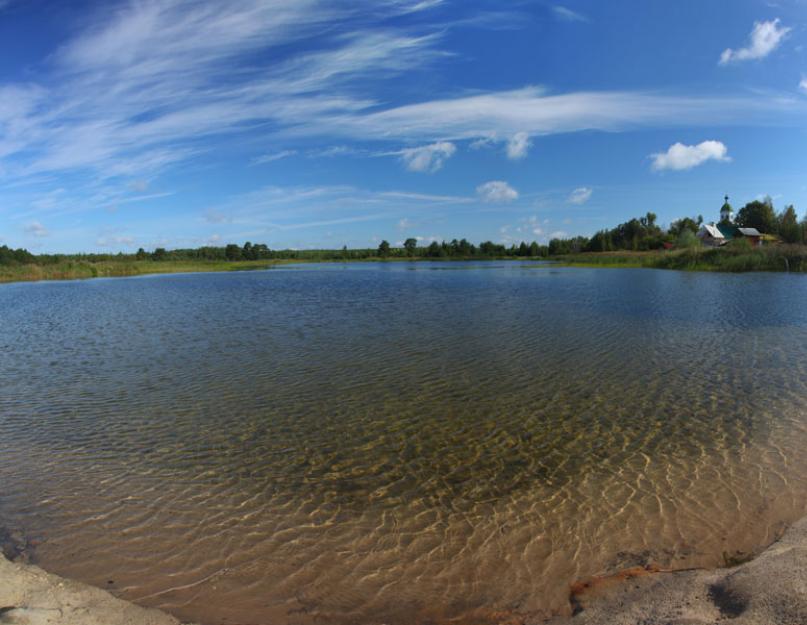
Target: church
x=726 y=230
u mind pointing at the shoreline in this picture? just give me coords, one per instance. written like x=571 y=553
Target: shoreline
x=676 y=261
x=32 y=596
x=769 y=588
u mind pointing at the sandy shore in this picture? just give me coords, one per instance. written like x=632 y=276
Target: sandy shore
x=771 y=589
x=30 y=596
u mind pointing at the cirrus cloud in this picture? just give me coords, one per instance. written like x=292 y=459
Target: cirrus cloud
x=679 y=156
x=496 y=191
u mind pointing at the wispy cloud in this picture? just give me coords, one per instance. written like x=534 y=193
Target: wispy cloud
x=581 y=195
x=36 y=229
x=566 y=14
x=425 y=197
x=142 y=87
x=518 y=146
x=271 y=158
x=765 y=38
x=497 y=191
x=533 y=111
x=287 y=208
x=680 y=156
x=803 y=84
x=428 y=158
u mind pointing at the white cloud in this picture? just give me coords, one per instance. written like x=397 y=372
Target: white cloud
x=497 y=191
x=428 y=158
x=334 y=151
x=527 y=229
x=803 y=84
x=680 y=156
x=531 y=110
x=36 y=229
x=405 y=224
x=765 y=38
x=568 y=15
x=140 y=88
x=143 y=86
x=581 y=195
x=276 y=156
x=423 y=197
x=518 y=146
x=482 y=143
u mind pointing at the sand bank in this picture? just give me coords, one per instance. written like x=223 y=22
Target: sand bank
x=771 y=589
x=30 y=596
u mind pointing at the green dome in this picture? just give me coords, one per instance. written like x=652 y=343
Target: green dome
x=726 y=206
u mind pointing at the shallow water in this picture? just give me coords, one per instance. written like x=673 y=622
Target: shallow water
x=398 y=443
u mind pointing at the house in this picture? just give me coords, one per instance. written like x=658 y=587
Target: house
x=726 y=230
x=710 y=235
x=753 y=235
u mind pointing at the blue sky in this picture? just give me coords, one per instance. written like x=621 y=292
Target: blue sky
x=320 y=123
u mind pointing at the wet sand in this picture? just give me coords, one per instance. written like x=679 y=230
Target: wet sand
x=770 y=589
x=30 y=596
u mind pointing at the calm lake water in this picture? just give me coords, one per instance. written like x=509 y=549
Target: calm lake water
x=398 y=443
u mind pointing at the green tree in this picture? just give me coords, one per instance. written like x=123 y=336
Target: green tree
x=248 y=252
x=789 y=228
x=758 y=215
x=159 y=254
x=233 y=252
x=534 y=249
x=383 y=249
x=685 y=223
x=411 y=246
x=141 y=254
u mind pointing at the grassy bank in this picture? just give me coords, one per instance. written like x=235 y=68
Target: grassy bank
x=771 y=258
x=79 y=269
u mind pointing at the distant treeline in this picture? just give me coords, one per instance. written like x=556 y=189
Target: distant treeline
x=638 y=234
x=258 y=251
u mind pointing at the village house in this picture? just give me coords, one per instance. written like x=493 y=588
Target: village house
x=715 y=235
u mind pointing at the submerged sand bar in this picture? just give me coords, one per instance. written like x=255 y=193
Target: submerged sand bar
x=771 y=589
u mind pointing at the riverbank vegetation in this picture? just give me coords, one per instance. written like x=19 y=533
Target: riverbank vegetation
x=639 y=242
x=735 y=257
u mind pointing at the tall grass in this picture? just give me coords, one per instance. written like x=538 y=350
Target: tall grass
x=729 y=259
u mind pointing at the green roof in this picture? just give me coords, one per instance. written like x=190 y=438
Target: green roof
x=727 y=230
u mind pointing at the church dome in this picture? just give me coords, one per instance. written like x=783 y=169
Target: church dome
x=726 y=212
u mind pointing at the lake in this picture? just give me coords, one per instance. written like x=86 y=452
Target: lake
x=398 y=443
